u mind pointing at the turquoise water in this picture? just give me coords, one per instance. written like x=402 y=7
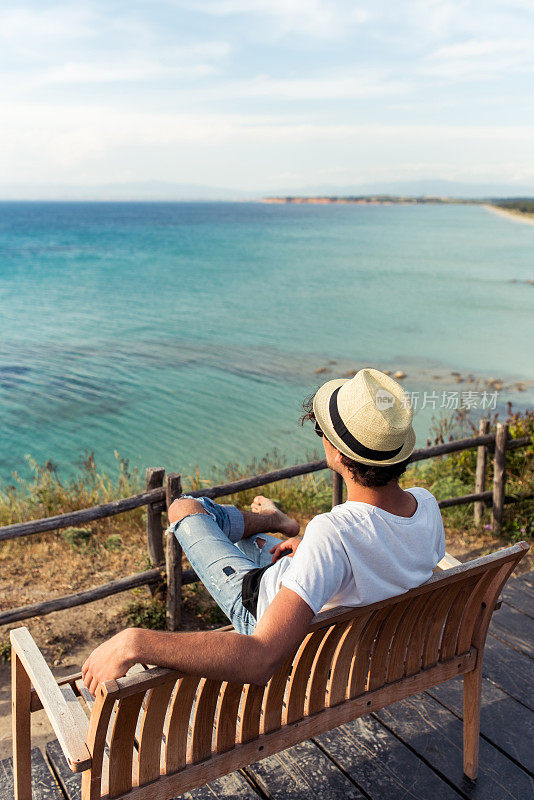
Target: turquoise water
x=181 y=333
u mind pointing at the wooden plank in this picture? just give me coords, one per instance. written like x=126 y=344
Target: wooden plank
x=435 y=734
x=508 y=669
x=480 y=478
x=70 y=782
x=526 y=578
x=20 y=728
x=382 y=765
x=503 y=721
x=468 y=570
x=121 y=748
x=44 y=785
x=515 y=628
x=230 y=787
x=150 y=733
x=154 y=478
x=300 y=772
x=519 y=594
x=57 y=709
x=75 y=518
x=499 y=476
x=337 y=489
x=447 y=562
x=173 y=560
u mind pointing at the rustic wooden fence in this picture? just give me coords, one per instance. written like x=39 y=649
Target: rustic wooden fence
x=160 y=493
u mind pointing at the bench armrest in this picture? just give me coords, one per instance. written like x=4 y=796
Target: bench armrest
x=58 y=704
x=447 y=562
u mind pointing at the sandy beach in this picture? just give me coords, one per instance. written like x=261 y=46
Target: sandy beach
x=518 y=216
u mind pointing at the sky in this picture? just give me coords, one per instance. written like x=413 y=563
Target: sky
x=266 y=95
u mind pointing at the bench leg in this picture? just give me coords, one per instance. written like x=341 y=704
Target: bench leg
x=472 y=700
x=20 y=700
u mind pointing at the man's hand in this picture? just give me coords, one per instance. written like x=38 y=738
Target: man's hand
x=111 y=659
x=285 y=548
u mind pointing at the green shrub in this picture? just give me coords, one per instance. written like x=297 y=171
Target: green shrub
x=454 y=474
x=5 y=651
x=113 y=542
x=217 y=617
x=147 y=613
x=77 y=537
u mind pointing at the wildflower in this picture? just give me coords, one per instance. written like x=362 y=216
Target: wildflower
x=487 y=527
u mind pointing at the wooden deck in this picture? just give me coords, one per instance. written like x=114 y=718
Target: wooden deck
x=411 y=750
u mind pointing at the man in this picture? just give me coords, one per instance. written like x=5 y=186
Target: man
x=381 y=542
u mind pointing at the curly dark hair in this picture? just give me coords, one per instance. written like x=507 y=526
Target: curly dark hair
x=365 y=474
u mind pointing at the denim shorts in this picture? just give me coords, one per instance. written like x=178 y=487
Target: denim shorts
x=221 y=558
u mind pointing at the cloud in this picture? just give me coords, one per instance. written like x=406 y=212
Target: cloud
x=262 y=88
x=340 y=85
x=482 y=59
x=91 y=145
x=34 y=33
x=322 y=19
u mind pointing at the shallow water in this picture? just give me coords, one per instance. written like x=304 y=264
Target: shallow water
x=181 y=333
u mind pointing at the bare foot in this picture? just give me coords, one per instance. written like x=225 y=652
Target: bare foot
x=282 y=523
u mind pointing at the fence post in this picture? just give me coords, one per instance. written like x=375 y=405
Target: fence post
x=154 y=528
x=337 y=489
x=499 y=476
x=480 y=479
x=173 y=559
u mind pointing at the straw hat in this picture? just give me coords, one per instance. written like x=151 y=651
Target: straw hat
x=368 y=417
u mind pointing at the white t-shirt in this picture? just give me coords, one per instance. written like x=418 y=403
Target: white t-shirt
x=358 y=554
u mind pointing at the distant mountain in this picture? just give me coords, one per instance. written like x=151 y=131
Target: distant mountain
x=421 y=188
x=146 y=190
x=166 y=191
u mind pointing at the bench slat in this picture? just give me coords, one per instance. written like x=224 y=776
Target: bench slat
x=342 y=661
x=150 y=733
x=416 y=611
x=177 y=723
x=300 y=674
x=322 y=668
x=203 y=719
x=225 y=735
x=360 y=662
x=436 y=626
x=274 y=697
x=249 y=725
x=121 y=750
x=382 y=645
x=454 y=617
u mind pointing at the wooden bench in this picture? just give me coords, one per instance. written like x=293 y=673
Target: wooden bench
x=155 y=734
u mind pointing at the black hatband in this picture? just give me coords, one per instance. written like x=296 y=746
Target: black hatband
x=347 y=438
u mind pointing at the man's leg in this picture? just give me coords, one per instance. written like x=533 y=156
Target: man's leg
x=266 y=517
x=219 y=564
x=209 y=533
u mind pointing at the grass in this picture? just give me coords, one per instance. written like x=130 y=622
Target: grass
x=45 y=494
x=35 y=567
x=454 y=474
x=146 y=613
x=5 y=651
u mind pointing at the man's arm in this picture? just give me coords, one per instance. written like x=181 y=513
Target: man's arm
x=222 y=655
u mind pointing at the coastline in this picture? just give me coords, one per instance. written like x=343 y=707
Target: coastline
x=510 y=213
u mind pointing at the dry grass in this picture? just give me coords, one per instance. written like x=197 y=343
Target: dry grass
x=36 y=568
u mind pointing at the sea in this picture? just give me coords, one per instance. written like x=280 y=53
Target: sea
x=185 y=335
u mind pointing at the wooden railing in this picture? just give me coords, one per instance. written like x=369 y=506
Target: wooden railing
x=161 y=492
